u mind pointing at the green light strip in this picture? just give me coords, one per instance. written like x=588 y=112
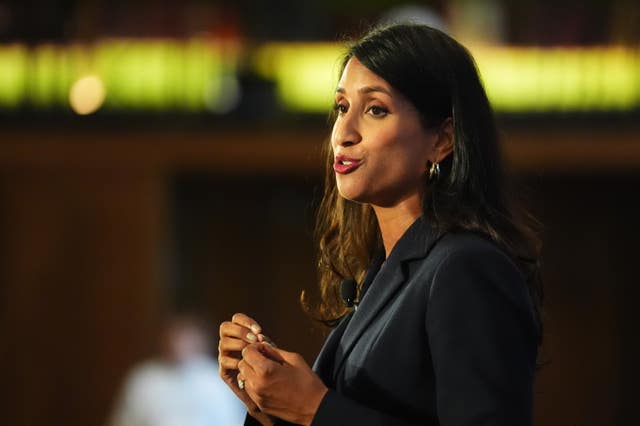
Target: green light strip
x=162 y=75
x=305 y=74
x=517 y=80
x=199 y=74
x=138 y=74
x=13 y=73
x=561 y=79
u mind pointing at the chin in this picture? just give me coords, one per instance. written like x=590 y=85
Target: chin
x=349 y=192
x=362 y=197
x=348 y=197
x=354 y=196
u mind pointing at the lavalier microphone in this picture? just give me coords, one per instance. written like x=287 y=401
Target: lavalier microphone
x=349 y=293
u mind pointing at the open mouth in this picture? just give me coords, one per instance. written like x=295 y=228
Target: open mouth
x=344 y=165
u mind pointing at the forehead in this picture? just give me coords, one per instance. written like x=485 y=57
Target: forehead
x=356 y=75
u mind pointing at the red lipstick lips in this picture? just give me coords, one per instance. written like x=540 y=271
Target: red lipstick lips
x=345 y=165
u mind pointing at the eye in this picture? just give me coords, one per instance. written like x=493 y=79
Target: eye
x=378 y=111
x=340 y=108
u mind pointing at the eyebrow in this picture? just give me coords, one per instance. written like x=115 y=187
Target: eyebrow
x=366 y=89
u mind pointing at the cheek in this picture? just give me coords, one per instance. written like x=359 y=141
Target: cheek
x=405 y=152
x=332 y=139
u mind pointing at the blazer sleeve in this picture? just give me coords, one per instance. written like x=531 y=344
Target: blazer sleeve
x=338 y=410
x=483 y=337
x=251 y=421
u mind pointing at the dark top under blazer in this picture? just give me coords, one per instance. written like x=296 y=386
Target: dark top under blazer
x=445 y=334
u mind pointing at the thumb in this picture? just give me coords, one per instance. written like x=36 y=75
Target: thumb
x=272 y=353
x=291 y=358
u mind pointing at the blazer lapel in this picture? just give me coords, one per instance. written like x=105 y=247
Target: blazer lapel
x=325 y=360
x=415 y=243
x=323 y=365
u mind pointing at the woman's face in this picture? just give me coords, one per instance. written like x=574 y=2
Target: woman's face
x=380 y=147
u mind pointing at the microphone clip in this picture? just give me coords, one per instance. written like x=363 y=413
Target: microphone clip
x=349 y=293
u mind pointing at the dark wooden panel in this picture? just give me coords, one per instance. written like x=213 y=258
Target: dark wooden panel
x=590 y=246
x=80 y=289
x=297 y=152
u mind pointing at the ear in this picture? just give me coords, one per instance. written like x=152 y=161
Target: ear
x=444 y=143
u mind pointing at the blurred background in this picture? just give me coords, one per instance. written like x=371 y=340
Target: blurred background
x=160 y=155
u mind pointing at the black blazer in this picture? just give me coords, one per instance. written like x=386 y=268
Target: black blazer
x=445 y=334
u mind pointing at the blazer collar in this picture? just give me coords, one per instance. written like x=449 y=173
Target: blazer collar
x=382 y=283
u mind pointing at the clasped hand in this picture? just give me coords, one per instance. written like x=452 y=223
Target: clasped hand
x=274 y=382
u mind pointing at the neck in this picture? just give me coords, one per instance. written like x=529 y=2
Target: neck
x=395 y=220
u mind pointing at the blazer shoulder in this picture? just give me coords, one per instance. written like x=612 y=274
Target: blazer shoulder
x=470 y=264
x=467 y=255
x=469 y=245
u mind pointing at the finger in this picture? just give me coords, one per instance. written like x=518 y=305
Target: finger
x=249 y=379
x=241 y=381
x=246 y=370
x=247 y=321
x=229 y=345
x=229 y=329
x=266 y=339
x=228 y=363
x=261 y=364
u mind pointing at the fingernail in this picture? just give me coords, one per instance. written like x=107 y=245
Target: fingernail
x=252 y=337
x=255 y=328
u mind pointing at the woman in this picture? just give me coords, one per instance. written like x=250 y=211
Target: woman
x=416 y=210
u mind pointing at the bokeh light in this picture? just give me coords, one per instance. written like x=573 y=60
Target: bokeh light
x=87 y=95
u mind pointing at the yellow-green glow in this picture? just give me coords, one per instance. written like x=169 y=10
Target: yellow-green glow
x=142 y=75
x=306 y=74
x=203 y=66
x=517 y=80
x=561 y=79
x=42 y=85
x=137 y=74
x=200 y=74
x=13 y=72
x=622 y=86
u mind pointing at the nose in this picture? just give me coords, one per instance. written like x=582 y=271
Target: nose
x=345 y=131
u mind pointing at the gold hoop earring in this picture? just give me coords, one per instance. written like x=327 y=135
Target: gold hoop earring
x=434 y=172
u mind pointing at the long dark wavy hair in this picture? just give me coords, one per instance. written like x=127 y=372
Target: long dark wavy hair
x=439 y=76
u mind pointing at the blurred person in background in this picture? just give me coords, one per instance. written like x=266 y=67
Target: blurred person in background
x=181 y=387
x=417 y=210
